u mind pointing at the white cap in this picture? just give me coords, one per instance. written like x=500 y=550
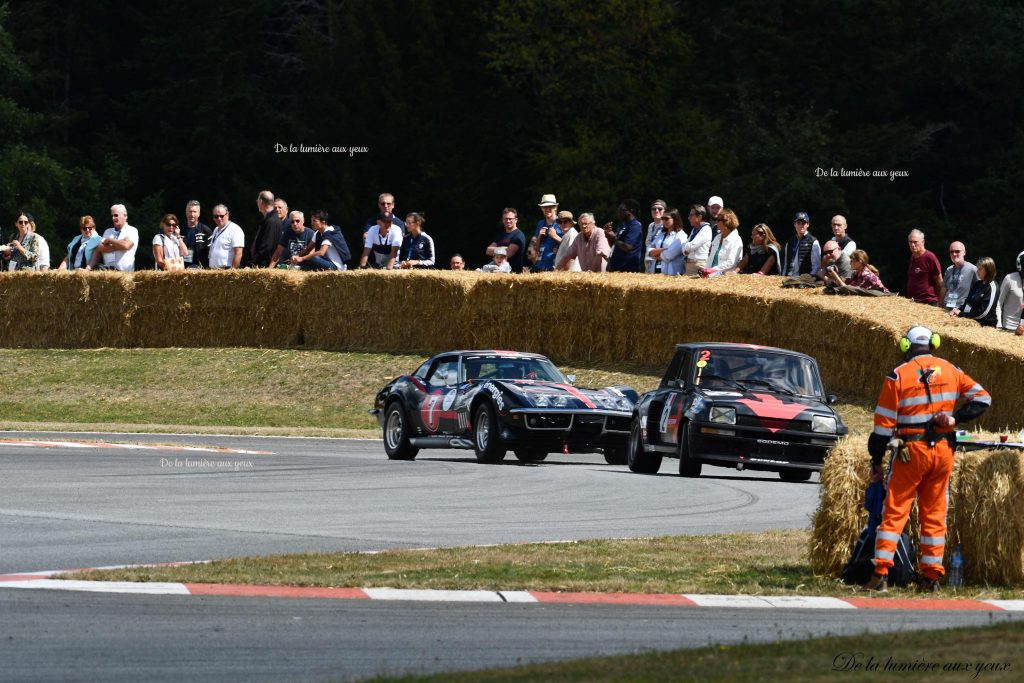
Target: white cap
x=715 y=200
x=501 y=251
x=919 y=335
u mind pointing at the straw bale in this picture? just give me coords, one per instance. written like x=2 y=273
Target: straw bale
x=987 y=516
x=398 y=312
x=566 y=316
x=212 y=308
x=64 y=310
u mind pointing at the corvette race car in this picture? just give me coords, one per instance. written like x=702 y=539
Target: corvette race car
x=492 y=401
x=736 y=405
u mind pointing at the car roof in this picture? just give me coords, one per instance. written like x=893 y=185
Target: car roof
x=490 y=352
x=740 y=347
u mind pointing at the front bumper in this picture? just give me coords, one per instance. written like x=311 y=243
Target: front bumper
x=758 y=448
x=577 y=427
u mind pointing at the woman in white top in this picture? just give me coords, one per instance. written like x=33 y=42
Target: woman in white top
x=169 y=249
x=727 y=247
x=696 y=248
x=655 y=235
x=1011 y=298
x=670 y=254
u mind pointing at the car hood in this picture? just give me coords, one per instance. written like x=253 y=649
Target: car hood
x=772 y=410
x=554 y=395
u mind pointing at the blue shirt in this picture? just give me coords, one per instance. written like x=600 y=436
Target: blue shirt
x=631 y=233
x=546 y=247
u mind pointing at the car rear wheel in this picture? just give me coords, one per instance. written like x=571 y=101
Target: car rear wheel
x=396 y=434
x=794 y=475
x=688 y=465
x=638 y=458
x=486 y=440
x=530 y=454
x=616 y=455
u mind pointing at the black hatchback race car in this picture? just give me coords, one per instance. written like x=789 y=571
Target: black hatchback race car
x=492 y=401
x=736 y=405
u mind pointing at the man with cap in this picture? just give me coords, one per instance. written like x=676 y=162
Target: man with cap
x=627 y=240
x=715 y=205
x=384 y=240
x=547 y=238
x=803 y=253
x=915 y=419
x=499 y=264
x=569 y=234
x=655 y=235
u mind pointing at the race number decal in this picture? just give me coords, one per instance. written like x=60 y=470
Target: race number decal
x=430 y=412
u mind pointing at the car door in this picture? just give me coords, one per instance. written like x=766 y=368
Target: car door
x=442 y=381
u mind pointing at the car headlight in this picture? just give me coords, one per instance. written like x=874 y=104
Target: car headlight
x=550 y=401
x=824 y=424
x=723 y=415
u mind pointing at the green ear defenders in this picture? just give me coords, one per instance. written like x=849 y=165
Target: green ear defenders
x=920 y=335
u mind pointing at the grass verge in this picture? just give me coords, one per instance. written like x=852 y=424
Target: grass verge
x=242 y=391
x=981 y=654
x=762 y=563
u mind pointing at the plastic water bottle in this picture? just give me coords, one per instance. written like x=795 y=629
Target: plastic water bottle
x=956 y=569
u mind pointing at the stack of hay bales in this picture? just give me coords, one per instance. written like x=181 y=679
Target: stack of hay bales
x=986 y=513
x=65 y=310
x=217 y=308
x=395 y=312
x=567 y=316
x=987 y=516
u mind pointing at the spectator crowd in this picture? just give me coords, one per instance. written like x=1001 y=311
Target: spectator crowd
x=706 y=244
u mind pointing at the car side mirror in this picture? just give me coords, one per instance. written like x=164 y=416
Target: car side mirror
x=571 y=378
x=831 y=399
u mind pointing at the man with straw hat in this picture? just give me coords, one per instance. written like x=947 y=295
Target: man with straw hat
x=915 y=418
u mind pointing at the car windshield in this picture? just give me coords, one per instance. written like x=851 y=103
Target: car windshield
x=754 y=369
x=511 y=367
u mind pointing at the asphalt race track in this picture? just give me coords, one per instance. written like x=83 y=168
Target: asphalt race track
x=64 y=507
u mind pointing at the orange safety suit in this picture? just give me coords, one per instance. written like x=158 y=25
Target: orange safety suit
x=911 y=396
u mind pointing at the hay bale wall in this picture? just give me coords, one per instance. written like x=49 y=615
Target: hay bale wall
x=571 y=317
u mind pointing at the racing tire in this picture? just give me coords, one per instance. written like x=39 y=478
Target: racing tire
x=688 y=465
x=486 y=439
x=396 y=433
x=638 y=459
x=530 y=454
x=616 y=455
x=794 y=475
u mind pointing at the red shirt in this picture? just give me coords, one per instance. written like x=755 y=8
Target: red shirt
x=921 y=274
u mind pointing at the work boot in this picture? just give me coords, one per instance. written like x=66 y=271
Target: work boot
x=926 y=585
x=878 y=583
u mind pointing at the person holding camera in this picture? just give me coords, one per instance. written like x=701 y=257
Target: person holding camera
x=834 y=260
x=548 y=237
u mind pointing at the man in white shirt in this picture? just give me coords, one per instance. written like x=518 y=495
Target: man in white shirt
x=117 y=248
x=227 y=241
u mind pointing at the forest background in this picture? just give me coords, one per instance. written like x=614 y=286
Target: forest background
x=461 y=108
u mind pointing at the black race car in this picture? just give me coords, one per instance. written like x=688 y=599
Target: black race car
x=492 y=401
x=736 y=405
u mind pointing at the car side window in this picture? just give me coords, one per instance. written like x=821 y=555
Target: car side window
x=444 y=374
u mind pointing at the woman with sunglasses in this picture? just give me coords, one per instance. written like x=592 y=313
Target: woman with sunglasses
x=169 y=248
x=80 y=249
x=668 y=257
x=23 y=250
x=762 y=254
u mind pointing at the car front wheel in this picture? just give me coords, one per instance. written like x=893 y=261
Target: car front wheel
x=486 y=440
x=615 y=455
x=688 y=465
x=638 y=458
x=396 y=434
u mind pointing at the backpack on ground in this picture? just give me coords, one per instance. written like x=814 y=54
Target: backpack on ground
x=860 y=567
